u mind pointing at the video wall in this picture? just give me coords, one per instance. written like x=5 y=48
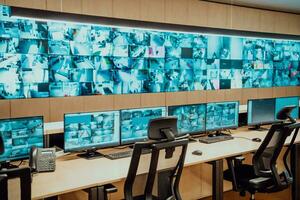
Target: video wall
x=57 y=59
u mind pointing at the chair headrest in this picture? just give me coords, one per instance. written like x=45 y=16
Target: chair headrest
x=285 y=113
x=163 y=128
x=1 y=145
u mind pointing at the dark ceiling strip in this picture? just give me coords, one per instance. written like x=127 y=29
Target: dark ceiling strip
x=50 y=15
x=248 y=6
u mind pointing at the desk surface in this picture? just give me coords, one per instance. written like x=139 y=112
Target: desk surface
x=73 y=173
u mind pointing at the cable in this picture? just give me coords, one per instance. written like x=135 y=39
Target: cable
x=20 y=163
x=242 y=137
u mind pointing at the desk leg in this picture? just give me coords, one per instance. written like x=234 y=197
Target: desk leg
x=295 y=165
x=217 y=174
x=47 y=141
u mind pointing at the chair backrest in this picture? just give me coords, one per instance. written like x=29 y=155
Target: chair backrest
x=165 y=157
x=24 y=174
x=1 y=145
x=265 y=158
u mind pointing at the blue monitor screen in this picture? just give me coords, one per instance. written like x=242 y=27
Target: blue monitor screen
x=222 y=115
x=288 y=101
x=261 y=111
x=84 y=131
x=19 y=135
x=134 y=123
x=191 y=118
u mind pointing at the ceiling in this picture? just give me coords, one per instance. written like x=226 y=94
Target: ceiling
x=280 y=5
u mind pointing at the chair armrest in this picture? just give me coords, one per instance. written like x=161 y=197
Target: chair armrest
x=238 y=160
x=260 y=182
x=110 y=188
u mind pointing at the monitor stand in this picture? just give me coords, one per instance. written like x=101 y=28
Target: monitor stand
x=90 y=154
x=258 y=128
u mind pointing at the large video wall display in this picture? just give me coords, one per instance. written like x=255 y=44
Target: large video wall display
x=57 y=59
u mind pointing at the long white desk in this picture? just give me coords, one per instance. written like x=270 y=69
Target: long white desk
x=73 y=173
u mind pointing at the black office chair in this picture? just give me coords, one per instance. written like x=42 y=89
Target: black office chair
x=1 y=145
x=263 y=176
x=164 y=146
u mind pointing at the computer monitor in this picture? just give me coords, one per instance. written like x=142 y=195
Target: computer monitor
x=134 y=123
x=19 y=135
x=191 y=118
x=222 y=115
x=91 y=131
x=288 y=101
x=260 y=112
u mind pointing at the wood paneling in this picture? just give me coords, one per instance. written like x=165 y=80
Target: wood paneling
x=98 y=103
x=294 y=24
x=39 y=4
x=54 y=5
x=267 y=21
x=176 y=11
x=279 y=91
x=292 y=91
x=60 y=106
x=72 y=6
x=245 y=18
x=197 y=13
x=2 y=1
x=215 y=95
x=233 y=95
x=249 y=93
x=30 y=107
x=265 y=93
x=219 y=15
x=176 y=98
x=153 y=99
x=4 y=109
x=281 y=25
x=124 y=101
x=97 y=7
x=194 y=97
x=126 y=9
x=153 y=10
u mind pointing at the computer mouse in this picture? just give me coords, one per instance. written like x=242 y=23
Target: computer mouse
x=256 y=139
x=197 y=152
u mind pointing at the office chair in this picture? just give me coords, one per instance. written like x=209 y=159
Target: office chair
x=24 y=174
x=1 y=145
x=262 y=176
x=164 y=146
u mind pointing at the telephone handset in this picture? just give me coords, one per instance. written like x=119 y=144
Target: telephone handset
x=42 y=159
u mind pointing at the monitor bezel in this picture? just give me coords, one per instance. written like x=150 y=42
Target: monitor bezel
x=192 y=132
x=95 y=147
x=223 y=128
x=261 y=123
x=22 y=118
x=137 y=140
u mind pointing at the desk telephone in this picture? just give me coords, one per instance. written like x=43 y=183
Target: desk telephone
x=42 y=159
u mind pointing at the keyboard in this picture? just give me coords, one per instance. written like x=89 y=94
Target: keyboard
x=214 y=139
x=124 y=154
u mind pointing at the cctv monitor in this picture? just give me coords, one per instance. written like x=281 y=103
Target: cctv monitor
x=191 y=118
x=260 y=112
x=134 y=123
x=222 y=115
x=288 y=101
x=19 y=135
x=91 y=131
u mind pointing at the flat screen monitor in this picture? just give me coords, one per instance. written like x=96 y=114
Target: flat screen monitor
x=91 y=131
x=261 y=111
x=191 y=118
x=19 y=135
x=134 y=123
x=287 y=101
x=222 y=115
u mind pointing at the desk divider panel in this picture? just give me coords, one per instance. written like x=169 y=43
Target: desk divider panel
x=125 y=101
x=265 y=93
x=59 y=106
x=153 y=99
x=30 y=107
x=233 y=95
x=215 y=95
x=4 y=109
x=279 y=91
x=249 y=93
x=98 y=103
x=195 y=97
x=176 y=98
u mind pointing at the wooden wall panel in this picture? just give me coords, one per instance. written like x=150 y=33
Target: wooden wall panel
x=153 y=99
x=30 y=107
x=245 y=18
x=195 y=97
x=153 y=10
x=72 y=6
x=219 y=15
x=265 y=93
x=125 y=101
x=176 y=11
x=4 y=109
x=197 y=13
x=176 y=98
x=215 y=95
x=279 y=91
x=292 y=91
x=2 y=1
x=60 y=106
x=267 y=21
x=97 y=7
x=98 y=103
x=126 y=9
x=233 y=95
x=249 y=93
x=281 y=25
x=39 y=4
x=54 y=5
